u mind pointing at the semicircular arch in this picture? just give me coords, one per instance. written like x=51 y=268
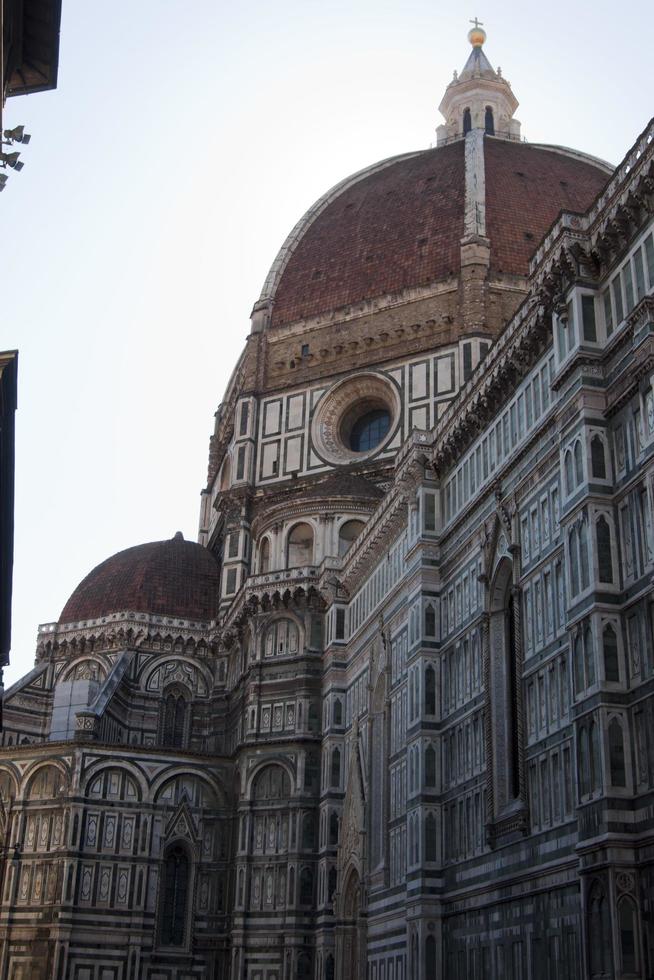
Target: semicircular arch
x=82 y=668
x=100 y=766
x=259 y=768
x=12 y=775
x=176 y=773
x=39 y=766
x=162 y=671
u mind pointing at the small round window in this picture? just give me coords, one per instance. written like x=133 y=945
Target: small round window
x=369 y=430
x=356 y=418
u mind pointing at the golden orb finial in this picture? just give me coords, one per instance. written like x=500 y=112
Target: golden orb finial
x=476 y=36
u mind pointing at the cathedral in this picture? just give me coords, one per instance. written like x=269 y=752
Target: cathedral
x=391 y=717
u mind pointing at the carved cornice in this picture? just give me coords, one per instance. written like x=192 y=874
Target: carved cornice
x=122 y=630
x=297 y=592
x=309 y=504
x=516 y=350
x=605 y=229
x=375 y=539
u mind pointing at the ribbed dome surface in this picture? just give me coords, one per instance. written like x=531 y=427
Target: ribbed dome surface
x=397 y=227
x=174 y=578
x=526 y=187
x=401 y=225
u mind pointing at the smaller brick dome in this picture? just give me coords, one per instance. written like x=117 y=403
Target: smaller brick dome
x=399 y=224
x=174 y=578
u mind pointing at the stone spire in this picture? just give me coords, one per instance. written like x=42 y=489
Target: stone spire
x=478 y=98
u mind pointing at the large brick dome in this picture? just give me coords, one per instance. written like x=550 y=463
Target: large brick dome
x=174 y=578
x=399 y=224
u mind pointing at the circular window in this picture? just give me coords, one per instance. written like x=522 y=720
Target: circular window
x=369 y=430
x=356 y=418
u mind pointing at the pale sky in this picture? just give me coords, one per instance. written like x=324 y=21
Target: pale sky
x=183 y=142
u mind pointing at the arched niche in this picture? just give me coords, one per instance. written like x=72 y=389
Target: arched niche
x=172 y=788
x=8 y=786
x=113 y=783
x=299 y=546
x=47 y=783
x=272 y=782
x=84 y=669
x=264 y=556
x=281 y=638
x=348 y=532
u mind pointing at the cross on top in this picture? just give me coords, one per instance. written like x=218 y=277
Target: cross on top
x=477 y=23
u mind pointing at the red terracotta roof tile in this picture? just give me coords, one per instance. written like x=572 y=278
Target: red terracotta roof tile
x=402 y=225
x=526 y=188
x=175 y=578
x=398 y=227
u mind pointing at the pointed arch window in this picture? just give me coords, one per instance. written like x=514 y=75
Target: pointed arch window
x=430 y=837
x=611 y=663
x=308 y=832
x=430 y=958
x=597 y=458
x=304 y=967
x=616 y=754
x=573 y=547
x=430 y=766
x=175 y=891
x=333 y=827
x=627 y=922
x=430 y=620
x=599 y=932
x=578 y=655
x=489 y=121
x=583 y=555
x=306 y=886
x=604 y=556
x=595 y=777
x=589 y=760
x=579 y=465
x=584 y=763
x=331 y=884
x=589 y=656
x=569 y=479
x=336 y=768
x=175 y=718
x=311 y=772
x=430 y=690
x=467 y=121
